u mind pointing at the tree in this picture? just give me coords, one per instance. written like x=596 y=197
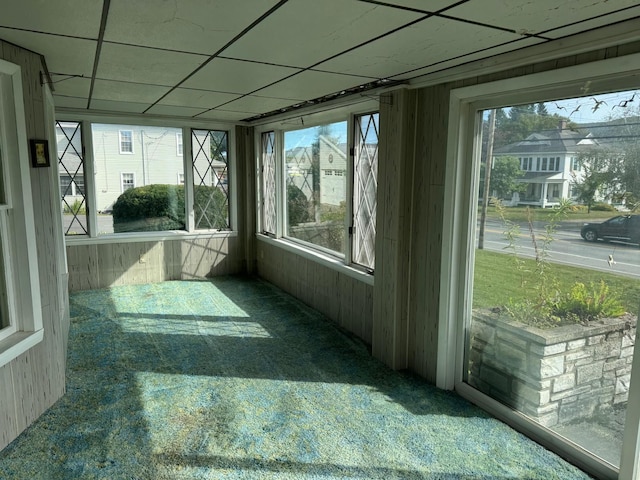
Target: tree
x=504 y=177
x=520 y=121
x=599 y=178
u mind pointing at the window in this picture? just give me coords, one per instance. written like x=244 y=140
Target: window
x=127 y=181
x=126 y=141
x=71 y=172
x=91 y=187
x=544 y=164
x=210 y=179
x=20 y=309
x=328 y=188
x=510 y=355
x=268 y=159
x=179 y=144
x=575 y=164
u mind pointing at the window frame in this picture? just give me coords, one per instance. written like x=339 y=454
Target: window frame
x=179 y=144
x=25 y=328
x=317 y=253
x=461 y=181
x=121 y=142
x=87 y=119
x=131 y=175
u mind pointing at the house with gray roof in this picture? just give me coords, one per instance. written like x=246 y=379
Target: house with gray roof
x=550 y=162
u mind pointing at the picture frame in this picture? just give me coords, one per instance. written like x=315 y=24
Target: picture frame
x=40 y=153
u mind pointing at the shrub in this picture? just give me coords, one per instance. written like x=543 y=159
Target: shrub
x=584 y=304
x=603 y=207
x=298 y=208
x=161 y=207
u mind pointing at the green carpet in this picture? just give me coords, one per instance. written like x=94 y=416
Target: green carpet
x=232 y=378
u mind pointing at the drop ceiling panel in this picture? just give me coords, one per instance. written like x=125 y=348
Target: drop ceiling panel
x=127 y=92
x=62 y=101
x=236 y=76
x=198 y=26
x=114 y=106
x=78 y=18
x=594 y=23
x=72 y=56
x=310 y=84
x=430 y=41
x=201 y=99
x=535 y=16
x=430 y=6
x=145 y=65
x=252 y=104
x=304 y=32
x=173 y=111
x=485 y=54
x=70 y=86
x=225 y=115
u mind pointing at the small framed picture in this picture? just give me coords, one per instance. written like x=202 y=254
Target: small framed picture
x=39 y=153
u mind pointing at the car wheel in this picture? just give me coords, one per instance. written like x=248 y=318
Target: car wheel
x=590 y=236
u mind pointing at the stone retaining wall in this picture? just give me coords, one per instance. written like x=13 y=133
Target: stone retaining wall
x=554 y=376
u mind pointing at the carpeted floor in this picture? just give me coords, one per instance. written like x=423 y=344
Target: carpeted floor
x=232 y=378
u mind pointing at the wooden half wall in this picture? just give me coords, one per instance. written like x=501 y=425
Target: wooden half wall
x=33 y=381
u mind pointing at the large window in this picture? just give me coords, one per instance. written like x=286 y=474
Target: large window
x=549 y=294
x=328 y=188
x=145 y=190
x=20 y=310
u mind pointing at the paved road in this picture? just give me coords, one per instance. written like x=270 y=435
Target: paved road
x=569 y=248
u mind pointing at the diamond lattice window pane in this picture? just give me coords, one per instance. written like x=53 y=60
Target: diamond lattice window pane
x=71 y=172
x=268 y=183
x=211 y=179
x=365 y=189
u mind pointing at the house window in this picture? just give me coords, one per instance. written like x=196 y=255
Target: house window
x=179 y=144
x=575 y=164
x=498 y=371
x=126 y=141
x=169 y=205
x=544 y=164
x=20 y=309
x=321 y=208
x=127 y=181
x=210 y=179
x=538 y=165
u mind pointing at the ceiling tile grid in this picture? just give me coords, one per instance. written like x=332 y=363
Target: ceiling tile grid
x=236 y=60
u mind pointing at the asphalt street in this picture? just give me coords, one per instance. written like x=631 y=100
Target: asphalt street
x=569 y=248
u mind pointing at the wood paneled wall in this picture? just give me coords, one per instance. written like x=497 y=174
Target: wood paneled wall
x=341 y=298
x=108 y=264
x=32 y=382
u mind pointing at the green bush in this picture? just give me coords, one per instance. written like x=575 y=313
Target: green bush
x=582 y=304
x=161 y=207
x=603 y=207
x=298 y=207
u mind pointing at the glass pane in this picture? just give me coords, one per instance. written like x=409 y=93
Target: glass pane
x=211 y=179
x=268 y=183
x=365 y=185
x=71 y=171
x=136 y=175
x=316 y=179
x=557 y=269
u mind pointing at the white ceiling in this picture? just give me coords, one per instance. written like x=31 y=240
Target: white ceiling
x=235 y=60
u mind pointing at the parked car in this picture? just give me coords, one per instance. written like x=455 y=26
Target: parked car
x=623 y=228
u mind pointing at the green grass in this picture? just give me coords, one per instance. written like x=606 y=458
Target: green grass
x=496 y=281
x=519 y=214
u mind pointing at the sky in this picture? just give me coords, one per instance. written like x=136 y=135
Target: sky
x=588 y=109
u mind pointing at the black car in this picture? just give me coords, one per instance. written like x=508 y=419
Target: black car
x=623 y=228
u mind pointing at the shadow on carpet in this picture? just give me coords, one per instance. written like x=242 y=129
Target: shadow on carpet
x=232 y=378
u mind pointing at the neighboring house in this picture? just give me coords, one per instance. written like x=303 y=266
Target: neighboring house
x=126 y=156
x=550 y=162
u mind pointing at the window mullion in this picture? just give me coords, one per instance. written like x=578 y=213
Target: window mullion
x=281 y=194
x=348 y=220
x=187 y=164
x=89 y=180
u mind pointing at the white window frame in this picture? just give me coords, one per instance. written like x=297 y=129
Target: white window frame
x=179 y=144
x=18 y=231
x=180 y=177
x=307 y=250
x=93 y=237
x=121 y=134
x=122 y=175
x=615 y=74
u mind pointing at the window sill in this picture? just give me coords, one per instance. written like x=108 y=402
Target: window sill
x=319 y=257
x=18 y=343
x=146 y=237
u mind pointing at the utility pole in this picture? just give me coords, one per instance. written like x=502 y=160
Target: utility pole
x=487 y=177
